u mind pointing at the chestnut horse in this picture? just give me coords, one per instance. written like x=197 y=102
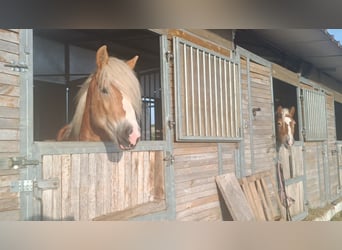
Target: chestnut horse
x=108 y=104
x=285 y=126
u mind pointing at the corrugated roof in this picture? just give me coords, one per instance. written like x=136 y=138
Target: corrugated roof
x=315 y=46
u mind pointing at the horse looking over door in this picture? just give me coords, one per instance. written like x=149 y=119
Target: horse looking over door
x=285 y=124
x=108 y=104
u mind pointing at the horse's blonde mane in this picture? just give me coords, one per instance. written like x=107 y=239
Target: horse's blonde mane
x=81 y=98
x=118 y=73
x=115 y=72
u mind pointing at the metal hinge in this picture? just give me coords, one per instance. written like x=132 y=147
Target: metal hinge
x=171 y=124
x=29 y=185
x=18 y=67
x=169 y=56
x=169 y=158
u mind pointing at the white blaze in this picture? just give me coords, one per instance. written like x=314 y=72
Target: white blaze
x=131 y=117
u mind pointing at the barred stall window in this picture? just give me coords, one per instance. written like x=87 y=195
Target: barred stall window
x=314 y=115
x=151 y=120
x=207 y=93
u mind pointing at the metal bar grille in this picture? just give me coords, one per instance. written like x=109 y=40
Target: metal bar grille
x=151 y=123
x=207 y=93
x=315 y=118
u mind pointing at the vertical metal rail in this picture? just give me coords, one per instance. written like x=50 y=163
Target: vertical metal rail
x=210 y=98
x=231 y=97
x=226 y=99
x=192 y=92
x=215 y=89
x=29 y=206
x=199 y=96
x=170 y=194
x=236 y=94
x=67 y=79
x=221 y=99
x=205 y=95
x=186 y=90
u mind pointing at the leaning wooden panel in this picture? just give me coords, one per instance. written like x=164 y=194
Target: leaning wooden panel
x=234 y=197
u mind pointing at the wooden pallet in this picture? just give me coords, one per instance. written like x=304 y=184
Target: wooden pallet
x=259 y=189
x=259 y=195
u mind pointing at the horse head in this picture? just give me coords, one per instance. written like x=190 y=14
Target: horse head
x=285 y=124
x=109 y=104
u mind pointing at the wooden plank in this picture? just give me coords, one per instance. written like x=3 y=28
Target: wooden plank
x=108 y=175
x=9 y=101
x=159 y=177
x=7 y=112
x=258 y=206
x=57 y=193
x=92 y=186
x=9 y=90
x=121 y=184
x=141 y=177
x=9 y=47
x=268 y=198
x=151 y=184
x=8 y=204
x=84 y=186
x=200 y=41
x=9 y=35
x=9 y=124
x=11 y=215
x=114 y=158
x=100 y=162
x=9 y=134
x=9 y=146
x=128 y=180
x=75 y=186
x=285 y=75
x=47 y=194
x=66 y=187
x=146 y=177
x=139 y=210
x=265 y=206
x=134 y=162
x=234 y=197
x=191 y=203
x=9 y=79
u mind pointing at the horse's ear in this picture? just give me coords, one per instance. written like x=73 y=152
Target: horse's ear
x=279 y=110
x=102 y=56
x=292 y=111
x=131 y=63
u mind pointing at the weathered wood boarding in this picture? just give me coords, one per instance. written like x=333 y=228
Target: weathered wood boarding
x=234 y=198
x=96 y=184
x=9 y=121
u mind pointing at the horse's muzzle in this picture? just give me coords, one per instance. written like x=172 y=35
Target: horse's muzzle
x=127 y=136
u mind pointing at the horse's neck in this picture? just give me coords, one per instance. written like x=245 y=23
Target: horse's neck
x=86 y=131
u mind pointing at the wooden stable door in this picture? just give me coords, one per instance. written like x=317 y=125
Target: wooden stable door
x=293 y=168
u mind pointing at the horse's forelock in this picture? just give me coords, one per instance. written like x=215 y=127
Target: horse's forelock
x=118 y=73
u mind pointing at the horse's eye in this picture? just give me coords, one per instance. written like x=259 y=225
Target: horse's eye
x=104 y=90
x=279 y=124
